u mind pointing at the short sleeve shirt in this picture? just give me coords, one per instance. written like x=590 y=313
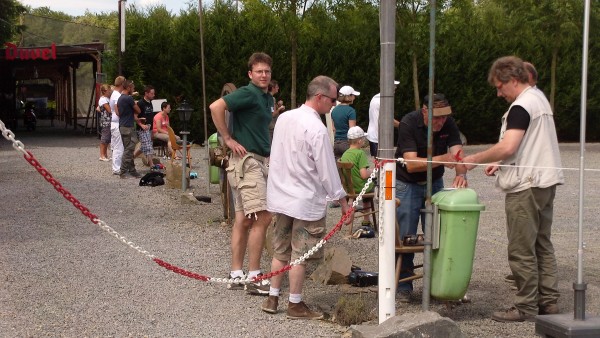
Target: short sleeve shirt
x=252 y=110
x=341 y=114
x=126 y=111
x=412 y=137
x=360 y=160
x=146 y=110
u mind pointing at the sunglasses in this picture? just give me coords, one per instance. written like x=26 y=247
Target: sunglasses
x=333 y=99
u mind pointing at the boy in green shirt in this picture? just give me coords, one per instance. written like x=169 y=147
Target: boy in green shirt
x=360 y=172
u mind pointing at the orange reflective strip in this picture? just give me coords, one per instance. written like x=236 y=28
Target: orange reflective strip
x=389 y=184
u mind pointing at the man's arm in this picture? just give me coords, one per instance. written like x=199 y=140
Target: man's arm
x=498 y=152
x=460 y=180
x=217 y=112
x=416 y=164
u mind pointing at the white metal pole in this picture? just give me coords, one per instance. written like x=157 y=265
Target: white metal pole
x=123 y=4
x=387 y=228
x=387 y=245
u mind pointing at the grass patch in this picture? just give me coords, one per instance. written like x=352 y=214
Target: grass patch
x=352 y=309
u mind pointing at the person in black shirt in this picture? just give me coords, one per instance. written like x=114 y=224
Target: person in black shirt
x=411 y=177
x=128 y=112
x=144 y=131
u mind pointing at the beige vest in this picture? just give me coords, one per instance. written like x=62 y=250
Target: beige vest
x=538 y=157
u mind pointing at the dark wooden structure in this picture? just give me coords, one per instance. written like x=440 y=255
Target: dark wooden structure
x=58 y=64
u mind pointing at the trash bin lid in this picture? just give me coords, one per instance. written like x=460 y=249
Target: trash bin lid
x=452 y=199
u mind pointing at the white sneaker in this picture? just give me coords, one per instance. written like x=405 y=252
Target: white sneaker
x=261 y=287
x=236 y=285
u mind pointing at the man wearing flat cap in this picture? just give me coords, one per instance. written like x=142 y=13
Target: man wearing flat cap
x=411 y=178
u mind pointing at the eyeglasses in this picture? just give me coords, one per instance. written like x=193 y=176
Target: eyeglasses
x=262 y=72
x=333 y=99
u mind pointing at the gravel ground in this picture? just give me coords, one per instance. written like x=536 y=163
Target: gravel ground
x=61 y=275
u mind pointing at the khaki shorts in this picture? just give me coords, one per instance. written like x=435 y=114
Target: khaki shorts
x=248 y=180
x=292 y=238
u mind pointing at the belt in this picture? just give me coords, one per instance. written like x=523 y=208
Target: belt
x=257 y=157
x=421 y=183
x=240 y=165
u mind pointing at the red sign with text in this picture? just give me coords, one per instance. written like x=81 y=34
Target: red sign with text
x=13 y=53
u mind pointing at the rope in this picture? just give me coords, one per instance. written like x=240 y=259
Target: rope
x=403 y=162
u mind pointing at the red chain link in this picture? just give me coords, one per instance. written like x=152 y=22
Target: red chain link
x=288 y=267
x=180 y=270
x=67 y=195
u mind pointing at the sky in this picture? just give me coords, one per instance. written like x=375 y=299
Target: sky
x=78 y=7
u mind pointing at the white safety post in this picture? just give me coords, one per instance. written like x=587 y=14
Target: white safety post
x=387 y=243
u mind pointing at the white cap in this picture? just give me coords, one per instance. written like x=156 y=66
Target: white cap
x=356 y=132
x=396 y=82
x=347 y=90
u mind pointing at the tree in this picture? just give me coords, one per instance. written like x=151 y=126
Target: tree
x=10 y=10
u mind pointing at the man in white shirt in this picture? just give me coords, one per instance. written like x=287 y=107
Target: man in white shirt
x=373 y=129
x=302 y=174
x=116 y=144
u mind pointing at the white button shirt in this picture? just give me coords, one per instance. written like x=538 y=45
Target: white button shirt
x=302 y=169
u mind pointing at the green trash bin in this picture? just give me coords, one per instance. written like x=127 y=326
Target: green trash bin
x=455 y=223
x=213 y=142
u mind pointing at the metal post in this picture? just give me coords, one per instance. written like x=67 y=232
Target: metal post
x=387 y=191
x=184 y=178
x=428 y=208
x=206 y=146
x=579 y=287
x=122 y=4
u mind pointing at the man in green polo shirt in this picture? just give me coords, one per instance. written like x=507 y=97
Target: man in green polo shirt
x=251 y=108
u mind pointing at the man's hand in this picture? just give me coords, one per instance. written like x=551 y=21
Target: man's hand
x=469 y=162
x=448 y=159
x=236 y=147
x=490 y=170
x=460 y=181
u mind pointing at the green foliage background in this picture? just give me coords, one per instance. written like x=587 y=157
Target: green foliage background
x=340 y=38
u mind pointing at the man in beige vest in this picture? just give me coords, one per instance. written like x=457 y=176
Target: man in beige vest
x=526 y=162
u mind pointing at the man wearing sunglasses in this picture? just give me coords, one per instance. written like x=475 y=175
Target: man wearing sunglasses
x=302 y=174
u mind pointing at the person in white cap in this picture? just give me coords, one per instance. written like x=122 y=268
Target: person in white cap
x=344 y=117
x=373 y=129
x=360 y=172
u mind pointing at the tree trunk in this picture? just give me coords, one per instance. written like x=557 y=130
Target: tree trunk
x=415 y=81
x=294 y=41
x=553 y=77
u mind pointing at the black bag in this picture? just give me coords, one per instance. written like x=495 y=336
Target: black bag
x=152 y=179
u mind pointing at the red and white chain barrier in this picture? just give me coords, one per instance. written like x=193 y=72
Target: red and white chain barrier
x=29 y=157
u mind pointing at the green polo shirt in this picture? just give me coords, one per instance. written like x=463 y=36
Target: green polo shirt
x=251 y=110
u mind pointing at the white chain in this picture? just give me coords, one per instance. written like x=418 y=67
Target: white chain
x=9 y=135
x=123 y=239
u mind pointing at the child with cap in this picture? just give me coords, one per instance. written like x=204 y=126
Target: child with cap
x=360 y=171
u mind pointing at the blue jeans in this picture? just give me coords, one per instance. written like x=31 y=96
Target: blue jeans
x=412 y=200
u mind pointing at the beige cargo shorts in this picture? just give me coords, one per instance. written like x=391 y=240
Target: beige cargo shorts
x=247 y=177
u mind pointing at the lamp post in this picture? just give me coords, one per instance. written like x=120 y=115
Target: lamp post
x=185 y=112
